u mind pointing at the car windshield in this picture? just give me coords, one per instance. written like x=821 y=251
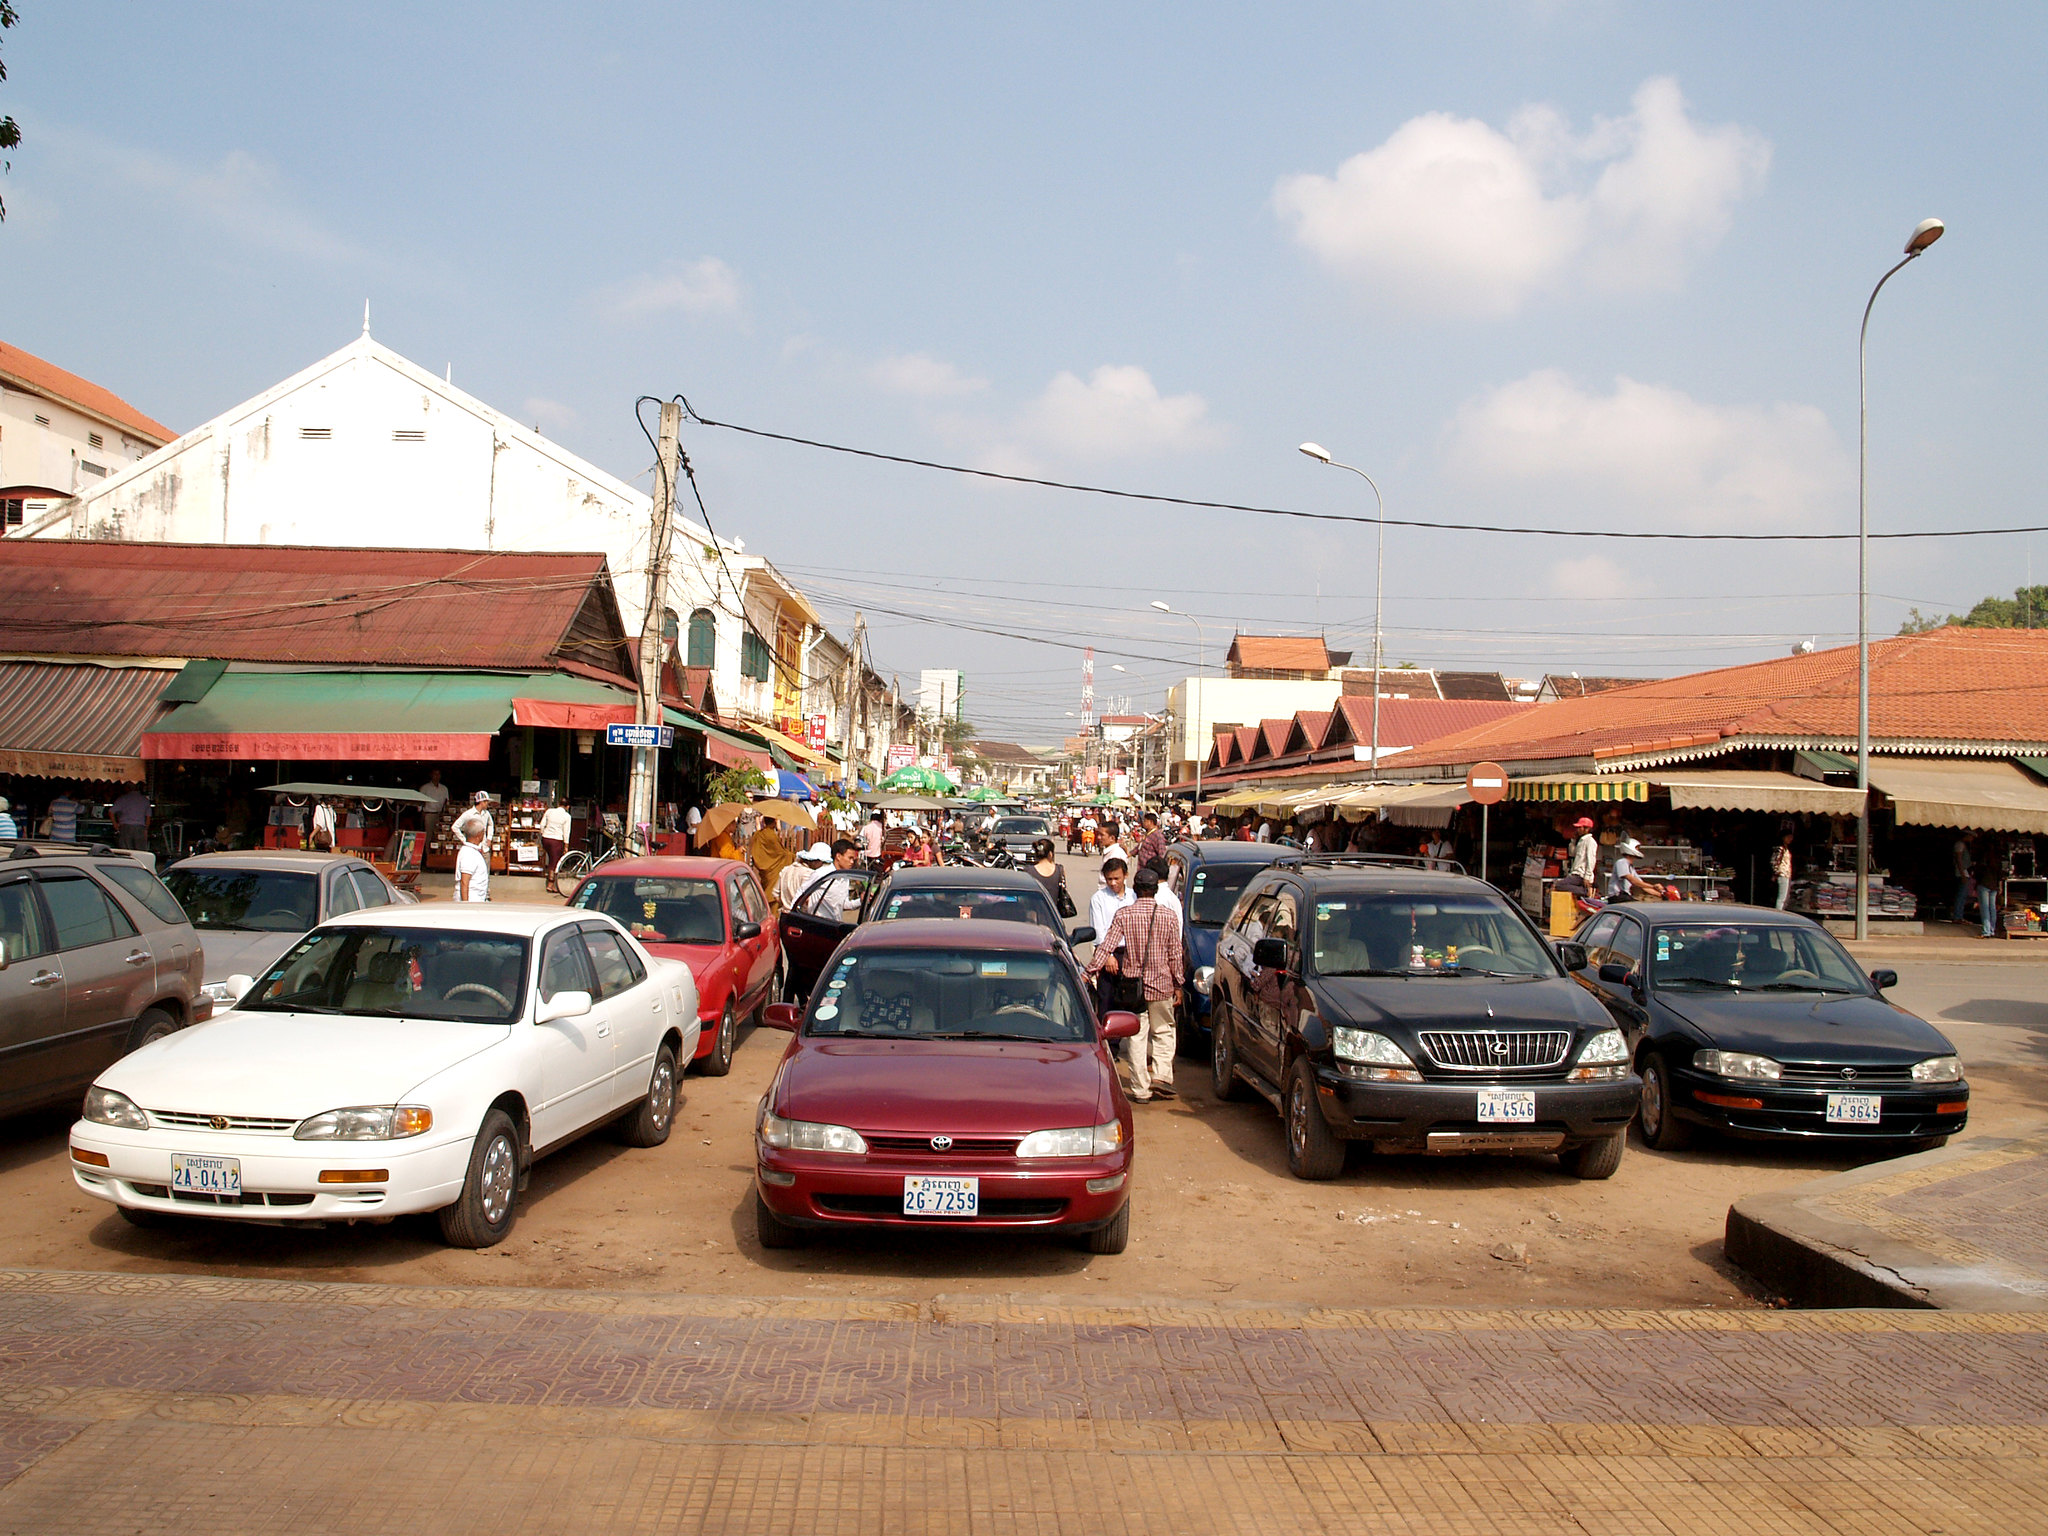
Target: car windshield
x=266 y=900
x=1750 y=957
x=1022 y=826
x=1213 y=890
x=1003 y=906
x=950 y=994
x=658 y=910
x=391 y=973
x=1389 y=933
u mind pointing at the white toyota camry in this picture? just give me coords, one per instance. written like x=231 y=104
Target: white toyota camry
x=397 y=1060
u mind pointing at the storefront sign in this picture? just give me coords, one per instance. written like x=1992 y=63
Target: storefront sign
x=662 y=736
x=815 y=736
x=901 y=756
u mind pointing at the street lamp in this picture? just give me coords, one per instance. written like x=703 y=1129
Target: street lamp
x=1196 y=709
x=1321 y=455
x=1925 y=233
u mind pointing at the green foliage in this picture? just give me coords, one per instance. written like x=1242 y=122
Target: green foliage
x=10 y=132
x=736 y=785
x=1918 y=623
x=2027 y=608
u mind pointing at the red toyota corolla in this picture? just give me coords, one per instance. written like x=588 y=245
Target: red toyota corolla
x=709 y=914
x=946 y=1074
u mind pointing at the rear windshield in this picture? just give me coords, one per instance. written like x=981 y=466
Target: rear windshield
x=1002 y=906
x=1022 y=826
x=1213 y=891
x=265 y=900
x=389 y=973
x=145 y=888
x=1388 y=933
x=950 y=994
x=659 y=909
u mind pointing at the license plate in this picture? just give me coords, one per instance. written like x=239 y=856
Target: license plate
x=192 y=1174
x=927 y=1194
x=1854 y=1108
x=1506 y=1105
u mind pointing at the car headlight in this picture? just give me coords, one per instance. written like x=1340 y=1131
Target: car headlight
x=1938 y=1069
x=1604 y=1059
x=1205 y=978
x=370 y=1122
x=1378 y=1059
x=809 y=1136
x=1738 y=1064
x=1076 y=1141
x=220 y=993
x=103 y=1106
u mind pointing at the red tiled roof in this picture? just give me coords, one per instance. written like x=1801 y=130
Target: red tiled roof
x=1579 y=687
x=1314 y=725
x=1247 y=738
x=1410 y=722
x=1273 y=736
x=1947 y=685
x=27 y=371
x=275 y=603
x=1280 y=653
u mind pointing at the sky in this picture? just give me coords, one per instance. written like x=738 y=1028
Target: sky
x=1576 y=264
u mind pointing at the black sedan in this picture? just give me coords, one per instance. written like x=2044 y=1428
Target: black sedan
x=1759 y=1023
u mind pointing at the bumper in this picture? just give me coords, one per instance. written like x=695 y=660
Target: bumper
x=830 y=1191
x=280 y=1177
x=1444 y=1117
x=1800 y=1113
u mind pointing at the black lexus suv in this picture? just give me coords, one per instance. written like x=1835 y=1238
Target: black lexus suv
x=1371 y=999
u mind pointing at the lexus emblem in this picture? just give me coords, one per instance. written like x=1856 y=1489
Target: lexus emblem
x=218 y=1122
x=1848 y=1074
x=1498 y=1046
x=940 y=1143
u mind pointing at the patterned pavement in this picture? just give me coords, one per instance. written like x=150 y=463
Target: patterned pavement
x=224 y=1406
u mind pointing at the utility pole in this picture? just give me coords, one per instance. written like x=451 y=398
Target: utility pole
x=853 y=690
x=647 y=708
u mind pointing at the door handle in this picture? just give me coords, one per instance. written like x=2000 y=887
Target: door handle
x=44 y=979
x=604 y=1031
x=138 y=957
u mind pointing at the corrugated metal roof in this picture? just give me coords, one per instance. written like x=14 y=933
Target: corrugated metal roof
x=85 y=714
x=274 y=603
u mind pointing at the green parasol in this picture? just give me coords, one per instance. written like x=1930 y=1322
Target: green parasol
x=919 y=781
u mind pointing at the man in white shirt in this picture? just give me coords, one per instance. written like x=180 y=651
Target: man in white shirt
x=1265 y=832
x=796 y=877
x=478 y=815
x=1585 y=852
x=1112 y=898
x=472 y=866
x=437 y=792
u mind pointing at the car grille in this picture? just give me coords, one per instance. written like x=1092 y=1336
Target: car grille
x=892 y=1205
x=247 y=1197
x=186 y=1121
x=1815 y=1075
x=1495 y=1050
x=962 y=1146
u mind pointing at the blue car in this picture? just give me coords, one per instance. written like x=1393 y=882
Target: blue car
x=1210 y=876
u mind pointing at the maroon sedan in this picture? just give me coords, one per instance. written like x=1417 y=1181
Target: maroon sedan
x=946 y=1074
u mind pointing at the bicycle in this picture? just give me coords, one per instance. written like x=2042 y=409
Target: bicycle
x=577 y=862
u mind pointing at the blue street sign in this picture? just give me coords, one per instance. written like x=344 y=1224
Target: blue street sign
x=662 y=736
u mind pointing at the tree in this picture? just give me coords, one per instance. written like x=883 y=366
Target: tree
x=10 y=133
x=736 y=784
x=2027 y=608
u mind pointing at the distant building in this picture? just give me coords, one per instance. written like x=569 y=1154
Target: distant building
x=59 y=435
x=1278 y=658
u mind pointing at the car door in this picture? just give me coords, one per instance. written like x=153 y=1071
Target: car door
x=812 y=928
x=632 y=1004
x=1272 y=997
x=32 y=1000
x=1236 y=972
x=577 y=1058
x=750 y=906
x=1596 y=935
x=1624 y=949
x=109 y=971
x=371 y=891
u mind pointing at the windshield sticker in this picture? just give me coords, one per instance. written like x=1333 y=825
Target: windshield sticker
x=827 y=1011
x=1200 y=876
x=995 y=968
x=1325 y=908
x=1664 y=946
x=895 y=903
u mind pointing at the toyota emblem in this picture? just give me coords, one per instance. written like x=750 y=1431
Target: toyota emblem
x=218 y=1122
x=940 y=1143
x=1848 y=1074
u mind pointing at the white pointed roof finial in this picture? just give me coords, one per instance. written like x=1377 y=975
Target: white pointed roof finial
x=366 y=317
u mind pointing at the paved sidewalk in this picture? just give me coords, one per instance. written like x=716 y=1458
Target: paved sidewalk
x=171 y=1405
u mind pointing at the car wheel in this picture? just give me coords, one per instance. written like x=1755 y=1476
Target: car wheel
x=1115 y=1237
x=773 y=994
x=1594 y=1159
x=483 y=1215
x=1313 y=1150
x=153 y=1025
x=1661 y=1129
x=1223 y=1063
x=649 y=1122
x=719 y=1062
x=148 y=1221
x=771 y=1229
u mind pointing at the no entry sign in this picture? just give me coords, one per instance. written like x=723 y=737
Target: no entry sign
x=1487 y=783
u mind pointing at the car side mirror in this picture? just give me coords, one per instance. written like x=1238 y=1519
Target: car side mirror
x=746 y=931
x=1614 y=973
x=1571 y=956
x=781 y=1016
x=238 y=987
x=1119 y=1025
x=563 y=1005
x=1270 y=954
x=1082 y=935
x=1884 y=979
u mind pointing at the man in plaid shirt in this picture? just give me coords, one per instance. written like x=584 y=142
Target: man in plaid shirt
x=1151 y=846
x=1144 y=942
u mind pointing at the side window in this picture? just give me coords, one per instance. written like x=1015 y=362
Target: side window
x=370 y=888
x=608 y=957
x=633 y=965
x=341 y=893
x=1626 y=947
x=1177 y=874
x=145 y=888
x=1599 y=934
x=82 y=912
x=1253 y=911
x=1285 y=923
x=22 y=927
x=752 y=901
x=564 y=967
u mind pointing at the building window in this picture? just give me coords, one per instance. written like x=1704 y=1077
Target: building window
x=756 y=660
x=93 y=469
x=10 y=511
x=316 y=434
x=703 y=650
x=42 y=421
x=409 y=435
x=93 y=439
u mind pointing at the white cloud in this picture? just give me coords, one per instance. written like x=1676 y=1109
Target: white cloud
x=1592 y=575
x=1117 y=411
x=1653 y=454
x=703 y=288
x=1454 y=214
x=924 y=376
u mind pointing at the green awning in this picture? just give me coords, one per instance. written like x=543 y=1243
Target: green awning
x=1815 y=764
x=1577 y=787
x=2037 y=766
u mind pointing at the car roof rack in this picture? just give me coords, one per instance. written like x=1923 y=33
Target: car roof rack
x=1368 y=860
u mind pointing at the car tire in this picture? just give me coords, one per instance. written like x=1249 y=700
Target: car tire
x=148 y=1221
x=1662 y=1130
x=650 y=1121
x=1313 y=1150
x=484 y=1213
x=1927 y=1144
x=1223 y=1078
x=719 y=1062
x=771 y=994
x=152 y=1025
x=771 y=1229
x=1115 y=1237
x=1594 y=1159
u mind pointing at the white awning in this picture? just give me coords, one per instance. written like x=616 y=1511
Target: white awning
x=1982 y=795
x=1407 y=805
x=1756 y=789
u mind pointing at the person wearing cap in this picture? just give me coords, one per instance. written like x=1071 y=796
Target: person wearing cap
x=796 y=878
x=1585 y=852
x=1624 y=884
x=478 y=815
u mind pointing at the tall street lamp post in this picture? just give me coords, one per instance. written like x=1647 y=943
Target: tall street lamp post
x=1321 y=455
x=1196 y=708
x=1925 y=233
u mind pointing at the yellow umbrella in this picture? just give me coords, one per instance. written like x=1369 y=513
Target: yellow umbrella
x=787 y=811
x=716 y=820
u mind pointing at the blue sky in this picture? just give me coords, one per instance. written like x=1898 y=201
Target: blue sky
x=1591 y=264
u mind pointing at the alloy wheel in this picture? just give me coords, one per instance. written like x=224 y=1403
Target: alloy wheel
x=661 y=1093
x=495 y=1186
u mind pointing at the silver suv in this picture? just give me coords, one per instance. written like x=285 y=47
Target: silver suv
x=96 y=960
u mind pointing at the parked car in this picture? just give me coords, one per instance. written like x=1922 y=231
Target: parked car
x=1209 y=876
x=709 y=914
x=392 y=1061
x=947 y=1074
x=96 y=960
x=1016 y=834
x=254 y=905
x=1759 y=1023
x=1414 y=1010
